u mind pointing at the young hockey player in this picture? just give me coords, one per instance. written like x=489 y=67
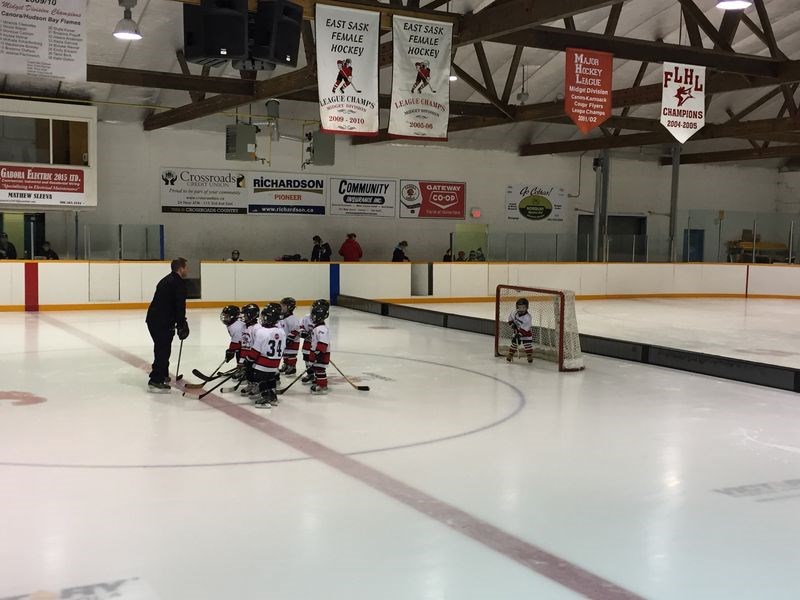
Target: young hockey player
x=423 y=75
x=250 y=313
x=290 y=325
x=521 y=323
x=268 y=345
x=230 y=318
x=306 y=328
x=345 y=73
x=320 y=354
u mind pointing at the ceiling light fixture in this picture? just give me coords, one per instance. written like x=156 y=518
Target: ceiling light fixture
x=127 y=29
x=453 y=78
x=734 y=4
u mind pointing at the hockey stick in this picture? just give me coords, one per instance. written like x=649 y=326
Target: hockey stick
x=214 y=375
x=360 y=388
x=207 y=392
x=178 y=376
x=296 y=379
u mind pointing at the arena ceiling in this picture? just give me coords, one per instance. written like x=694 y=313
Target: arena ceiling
x=752 y=56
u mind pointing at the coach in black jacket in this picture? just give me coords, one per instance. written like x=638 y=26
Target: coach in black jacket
x=166 y=314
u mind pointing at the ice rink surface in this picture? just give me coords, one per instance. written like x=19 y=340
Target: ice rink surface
x=760 y=330
x=457 y=477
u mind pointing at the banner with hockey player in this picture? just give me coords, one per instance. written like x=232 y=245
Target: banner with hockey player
x=587 y=87
x=363 y=197
x=347 y=69
x=433 y=199
x=536 y=203
x=683 y=100
x=420 y=78
x=287 y=193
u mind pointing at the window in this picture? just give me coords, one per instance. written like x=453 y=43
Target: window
x=24 y=140
x=70 y=143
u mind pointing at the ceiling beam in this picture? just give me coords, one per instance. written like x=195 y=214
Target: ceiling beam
x=386 y=10
x=296 y=80
x=699 y=158
x=691 y=11
x=709 y=132
x=695 y=39
x=476 y=85
x=552 y=38
x=486 y=71
x=613 y=19
x=516 y=15
x=512 y=74
x=168 y=81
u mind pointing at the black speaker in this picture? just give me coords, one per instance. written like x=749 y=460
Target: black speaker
x=276 y=32
x=215 y=31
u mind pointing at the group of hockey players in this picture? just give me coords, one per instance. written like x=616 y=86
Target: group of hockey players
x=267 y=343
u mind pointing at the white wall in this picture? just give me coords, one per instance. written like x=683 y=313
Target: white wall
x=129 y=161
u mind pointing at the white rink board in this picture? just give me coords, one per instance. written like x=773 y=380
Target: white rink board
x=104 y=281
x=63 y=282
x=12 y=283
x=375 y=280
x=775 y=280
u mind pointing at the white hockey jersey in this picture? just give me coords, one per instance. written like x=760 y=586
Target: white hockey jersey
x=267 y=349
x=321 y=339
x=291 y=325
x=524 y=323
x=248 y=335
x=235 y=330
x=306 y=324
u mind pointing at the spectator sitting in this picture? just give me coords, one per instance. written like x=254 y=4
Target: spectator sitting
x=351 y=249
x=321 y=251
x=399 y=254
x=7 y=249
x=48 y=252
x=448 y=256
x=234 y=257
x=461 y=256
x=479 y=255
x=473 y=256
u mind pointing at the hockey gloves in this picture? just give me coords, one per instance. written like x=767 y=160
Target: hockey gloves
x=183 y=330
x=229 y=354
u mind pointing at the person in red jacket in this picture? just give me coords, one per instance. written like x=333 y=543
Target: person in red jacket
x=351 y=249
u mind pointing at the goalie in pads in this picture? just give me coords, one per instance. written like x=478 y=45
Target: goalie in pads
x=522 y=325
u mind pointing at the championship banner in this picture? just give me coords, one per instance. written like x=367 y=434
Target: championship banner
x=420 y=78
x=42 y=186
x=536 y=203
x=683 y=100
x=44 y=38
x=203 y=191
x=363 y=197
x=587 y=87
x=286 y=194
x=432 y=199
x=347 y=69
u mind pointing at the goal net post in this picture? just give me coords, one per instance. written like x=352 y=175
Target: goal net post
x=554 y=324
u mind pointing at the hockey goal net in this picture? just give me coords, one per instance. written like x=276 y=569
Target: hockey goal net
x=554 y=324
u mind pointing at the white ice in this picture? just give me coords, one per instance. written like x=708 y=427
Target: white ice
x=616 y=471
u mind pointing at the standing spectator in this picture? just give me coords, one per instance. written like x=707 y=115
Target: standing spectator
x=399 y=254
x=321 y=251
x=351 y=249
x=48 y=252
x=7 y=249
x=448 y=256
x=166 y=314
x=234 y=257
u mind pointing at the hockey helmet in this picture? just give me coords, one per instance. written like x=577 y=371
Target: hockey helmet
x=522 y=304
x=230 y=314
x=348 y=62
x=250 y=314
x=271 y=314
x=320 y=311
x=289 y=304
x=425 y=63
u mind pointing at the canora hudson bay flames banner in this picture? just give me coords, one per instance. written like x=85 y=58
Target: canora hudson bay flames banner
x=347 y=69
x=683 y=100
x=420 y=78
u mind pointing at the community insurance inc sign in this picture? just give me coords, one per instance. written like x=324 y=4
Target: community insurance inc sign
x=203 y=191
x=363 y=197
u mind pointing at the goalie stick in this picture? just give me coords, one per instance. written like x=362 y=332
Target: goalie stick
x=360 y=388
